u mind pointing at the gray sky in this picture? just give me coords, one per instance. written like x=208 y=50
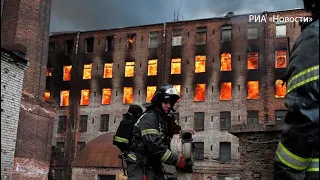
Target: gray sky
x=83 y=15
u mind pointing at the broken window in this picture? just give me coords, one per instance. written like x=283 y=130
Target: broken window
x=104 y=123
x=225 y=120
x=252 y=32
x=176 y=66
x=225 y=151
x=80 y=146
x=253 y=90
x=281 y=59
x=281 y=89
x=200 y=92
x=226 y=91
x=152 y=67
x=226 y=33
x=67 y=73
x=131 y=41
x=226 y=62
x=89 y=45
x=202 y=35
x=47 y=95
x=87 y=71
x=129 y=69
x=222 y=177
x=83 y=123
x=85 y=97
x=281 y=29
x=177 y=38
x=60 y=152
x=69 y=47
x=109 y=44
x=150 y=92
x=200 y=64
x=51 y=47
x=49 y=72
x=153 y=40
x=199 y=121
x=62 y=124
x=252 y=60
x=280 y=115
x=253 y=117
x=64 y=98
x=128 y=95
x=106 y=96
x=107 y=72
x=198 y=150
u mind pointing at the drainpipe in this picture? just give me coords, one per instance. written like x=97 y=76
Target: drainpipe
x=162 y=79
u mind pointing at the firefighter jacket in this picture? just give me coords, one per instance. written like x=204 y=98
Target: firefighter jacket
x=151 y=140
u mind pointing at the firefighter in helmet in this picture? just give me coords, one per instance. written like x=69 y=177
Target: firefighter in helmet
x=297 y=155
x=150 y=142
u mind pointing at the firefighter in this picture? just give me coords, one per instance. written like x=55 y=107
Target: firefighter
x=297 y=155
x=150 y=142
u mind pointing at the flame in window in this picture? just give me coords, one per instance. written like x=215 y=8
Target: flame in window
x=130 y=40
x=106 y=96
x=280 y=89
x=150 y=91
x=152 y=67
x=64 y=98
x=67 y=73
x=107 y=72
x=281 y=59
x=127 y=95
x=47 y=96
x=87 y=71
x=176 y=66
x=226 y=91
x=49 y=71
x=85 y=97
x=200 y=92
x=253 y=89
x=253 y=60
x=200 y=64
x=226 y=62
x=129 y=69
x=178 y=88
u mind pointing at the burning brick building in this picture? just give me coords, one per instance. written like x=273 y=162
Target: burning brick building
x=228 y=71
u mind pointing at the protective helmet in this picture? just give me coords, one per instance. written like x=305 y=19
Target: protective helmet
x=135 y=110
x=165 y=92
x=311 y=5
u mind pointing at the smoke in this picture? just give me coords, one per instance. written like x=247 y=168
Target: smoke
x=83 y=15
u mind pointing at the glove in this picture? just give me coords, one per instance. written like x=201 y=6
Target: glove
x=184 y=165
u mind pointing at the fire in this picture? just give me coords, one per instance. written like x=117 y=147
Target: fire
x=178 y=88
x=253 y=89
x=253 y=60
x=127 y=95
x=200 y=64
x=130 y=40
x=281 y=59
x=49 y=71
x=85 y=97
x=87 y=71
x=152 y=67
x=200 y=92
x=226 y=62
x=176 y=66
x=226 y=91
x=107 y=73
x=280 y=90
x=150 y=92
x=129 y=70
x=67 y=73
x=47 y=96
x=106 y=96
x=64 y=98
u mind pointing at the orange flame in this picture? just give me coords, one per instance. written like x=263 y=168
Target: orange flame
x=225 y=62
x=150 y=91
x=178 y=88
x=253 y=89
x=280 y=90
x=129 y=70
x=200 y=92
x=130 y=40
x=152 y=67
x=107 y=70
x=67 y=73
x=253 y=60
x=127 y=95
x=64 y=98
x=176 y=66
x=106 y=96
x=281 y=59
x=200 y=64
x=226 y=91
x=85 y=97
x=87 y=71
x=49 y=71
x=47 y=96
